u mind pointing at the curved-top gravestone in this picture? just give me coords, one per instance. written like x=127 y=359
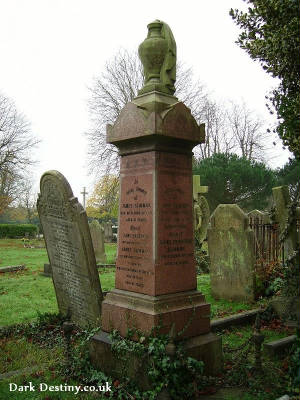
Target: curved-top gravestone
x=70 y=250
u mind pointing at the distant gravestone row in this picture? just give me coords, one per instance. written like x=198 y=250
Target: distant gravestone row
x=70 y=251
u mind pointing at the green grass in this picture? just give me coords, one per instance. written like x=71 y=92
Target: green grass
x=110 y=251
x=12 y=252
x=25 y=293
x=19 y=353
x=235 y=336
x=220 y=308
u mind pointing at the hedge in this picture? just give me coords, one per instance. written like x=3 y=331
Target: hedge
x=17 y=230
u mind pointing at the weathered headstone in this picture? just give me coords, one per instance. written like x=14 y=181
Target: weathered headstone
x=156 y=283
x=97 y=234
x=70 y=250
x=232 y=259
x=108 y=232
x=47 y=270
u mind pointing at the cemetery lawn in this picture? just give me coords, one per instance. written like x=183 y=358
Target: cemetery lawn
x=27 y=293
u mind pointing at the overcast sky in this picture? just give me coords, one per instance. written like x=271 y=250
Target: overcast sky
x=51 y=50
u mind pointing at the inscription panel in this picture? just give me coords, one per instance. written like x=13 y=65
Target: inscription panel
x=134 y=267
x=175 y=246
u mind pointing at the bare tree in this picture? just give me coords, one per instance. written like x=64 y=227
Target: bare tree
x=248 y=131
x=116 y=86
x=16 y=144
x=228 y=130
x=217 y=136
x=28 y=200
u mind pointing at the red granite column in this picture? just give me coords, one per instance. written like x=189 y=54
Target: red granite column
x=155 y=268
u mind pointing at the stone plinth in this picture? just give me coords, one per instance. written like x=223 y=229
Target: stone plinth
x=207 y=348
x=187 y=310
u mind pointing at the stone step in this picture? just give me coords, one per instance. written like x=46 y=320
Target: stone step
x=277 y=347
x=12 y=268
x=242 y=318
x=23 y=371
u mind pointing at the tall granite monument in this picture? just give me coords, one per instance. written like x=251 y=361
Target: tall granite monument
x=155 y=268
x=70 y=250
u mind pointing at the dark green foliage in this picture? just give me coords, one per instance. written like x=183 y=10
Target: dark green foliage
x=270 y=34
x=15 y=231
x=179 y=375
x=232 y=179
x=289 y=175
x=294 y=369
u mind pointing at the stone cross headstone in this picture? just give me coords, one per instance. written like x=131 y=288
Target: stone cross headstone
x=70 y=250
x=232 y=259
x=201 y=210
x=84 y=193
x=197 y=188
x=97 y=234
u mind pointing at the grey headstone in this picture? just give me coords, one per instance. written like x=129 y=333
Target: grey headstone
x=70 y=250
x=97 y=234
x=231 y=252
x=108 y=233
x=47 y=270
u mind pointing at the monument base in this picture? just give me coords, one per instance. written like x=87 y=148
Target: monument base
x=207 y=348
x=186 y=311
